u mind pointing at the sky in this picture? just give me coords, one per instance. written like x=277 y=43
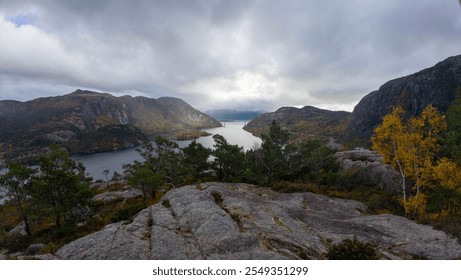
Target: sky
x=216 y=54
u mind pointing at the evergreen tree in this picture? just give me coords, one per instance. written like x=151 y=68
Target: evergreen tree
x=195 y=158
x=229 y=160
x=17 y=183
x=452 y=139
x=273 y=157
x=63 y=185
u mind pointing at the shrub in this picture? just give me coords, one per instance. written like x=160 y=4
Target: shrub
x=15 y=243
x=352 y=249
x=126 y=213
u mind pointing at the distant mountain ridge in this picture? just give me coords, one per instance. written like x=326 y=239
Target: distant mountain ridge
x=86 y=121
x=303 y=123
x=234 y=115
x=435 y=86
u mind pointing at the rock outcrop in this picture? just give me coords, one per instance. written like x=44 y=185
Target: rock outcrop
x=86 y=121
x=239 y=221
x=435 y=86
x=369 y=167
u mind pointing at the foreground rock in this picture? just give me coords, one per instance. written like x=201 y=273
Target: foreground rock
x=239 y=221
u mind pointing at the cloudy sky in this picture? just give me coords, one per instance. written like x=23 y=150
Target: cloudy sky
x=260 y=54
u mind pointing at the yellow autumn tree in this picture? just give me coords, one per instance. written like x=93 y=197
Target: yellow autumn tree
x=411 y=147
x=389 y=141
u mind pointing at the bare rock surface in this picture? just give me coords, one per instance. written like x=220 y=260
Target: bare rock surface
x=240 y=221
x=120 y=195
x=369 y=165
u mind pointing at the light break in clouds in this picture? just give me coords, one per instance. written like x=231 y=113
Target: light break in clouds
x=256 y=54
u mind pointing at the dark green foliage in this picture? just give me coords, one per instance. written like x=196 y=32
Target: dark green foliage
x=352 y=249
x=141 y=176
x=311 y=162
x=162 y=166
x=274 y=160
x=63 y=186
x=17 y=182
x=15 y=243
x=229 y=161
x=452 y=141
x=126 y=213
x=195 y=159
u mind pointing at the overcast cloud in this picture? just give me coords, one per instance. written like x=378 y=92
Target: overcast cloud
x=214 y=54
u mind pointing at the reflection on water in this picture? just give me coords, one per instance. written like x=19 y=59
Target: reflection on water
x=95 y=164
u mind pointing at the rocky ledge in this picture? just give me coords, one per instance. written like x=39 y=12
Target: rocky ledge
x=239 y=221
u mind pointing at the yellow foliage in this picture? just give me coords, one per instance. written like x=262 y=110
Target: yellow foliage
x=411 y=148
x=448 y=174
x=416 y=205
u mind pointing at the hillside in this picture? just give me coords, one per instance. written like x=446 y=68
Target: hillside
x=435 y=86
x=233 y=115
x=302 y=123
x=86 y=122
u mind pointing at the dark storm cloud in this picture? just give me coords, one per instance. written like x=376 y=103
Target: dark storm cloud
x=248 y=54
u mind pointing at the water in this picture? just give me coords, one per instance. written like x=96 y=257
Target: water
x=95 y=164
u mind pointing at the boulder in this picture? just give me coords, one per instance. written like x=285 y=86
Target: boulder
x=369 y=165
x=240 y=221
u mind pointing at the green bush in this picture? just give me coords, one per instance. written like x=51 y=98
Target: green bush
x=15 y=243
x=352 y=249
x=126 y=213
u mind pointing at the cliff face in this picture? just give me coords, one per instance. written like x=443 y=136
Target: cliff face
x=435 y=86
x=303 y=123
x=86 y=121
x=239 y=221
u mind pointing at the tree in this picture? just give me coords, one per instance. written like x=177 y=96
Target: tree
x=17 y=182
x=412 y=148
x=446 y=196
x=452 y=141
x=161 y=166
x=141 y=176
x=195 y=158
x=229 y=160
x=63 y=185
x=272 y=146
x=157 y=152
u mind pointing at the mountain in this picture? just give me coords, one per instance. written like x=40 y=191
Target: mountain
x=435 y=86
x=239 y=221
x=86 y=121
x=302 y=123
x=233 y=115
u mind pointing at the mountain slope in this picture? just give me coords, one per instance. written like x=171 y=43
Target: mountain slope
x=306 y=122
x=86 y=121
x=233 y=115
x=436 y=85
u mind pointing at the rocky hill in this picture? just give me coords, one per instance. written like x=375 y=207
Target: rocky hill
x=302 y=123
x=239 y=221
x=435 y=86
x=86 y=121
x=233 y=115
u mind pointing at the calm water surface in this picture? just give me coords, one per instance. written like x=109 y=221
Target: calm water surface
x=95 y=164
